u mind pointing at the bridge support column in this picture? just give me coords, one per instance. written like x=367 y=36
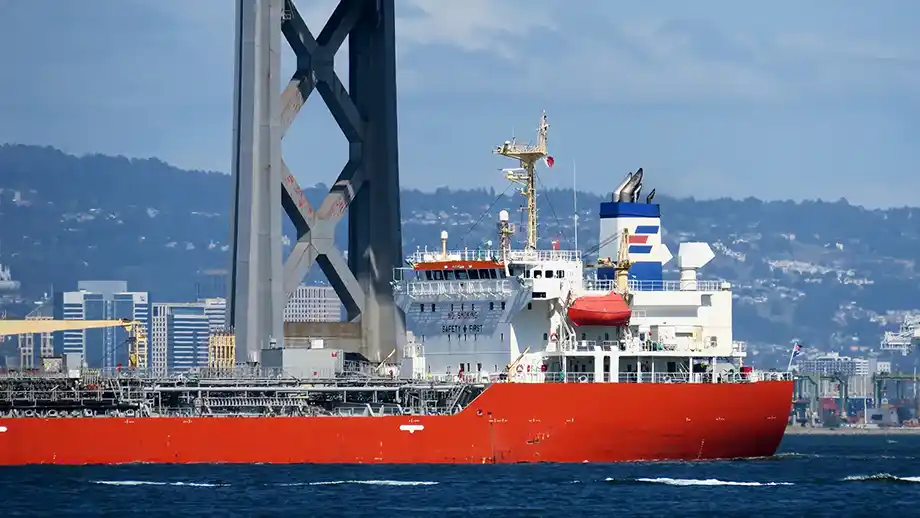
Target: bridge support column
x=367 y=187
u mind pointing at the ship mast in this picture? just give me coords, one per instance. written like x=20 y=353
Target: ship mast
x=527 y=155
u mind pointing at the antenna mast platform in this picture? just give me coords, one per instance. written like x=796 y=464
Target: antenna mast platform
x=527 y=155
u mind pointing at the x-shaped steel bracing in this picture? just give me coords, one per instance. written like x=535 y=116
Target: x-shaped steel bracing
x=316 y=229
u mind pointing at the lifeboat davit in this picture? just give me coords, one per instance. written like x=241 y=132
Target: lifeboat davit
x=600 y=310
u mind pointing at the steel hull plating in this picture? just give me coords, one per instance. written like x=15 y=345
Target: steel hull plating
x=509 y=422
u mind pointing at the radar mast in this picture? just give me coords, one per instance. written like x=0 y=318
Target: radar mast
x=527 y=155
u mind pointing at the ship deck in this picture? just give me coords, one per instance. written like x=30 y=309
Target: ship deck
x=129 y=394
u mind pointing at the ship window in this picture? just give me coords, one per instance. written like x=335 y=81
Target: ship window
x=491 y=306
x=421 y=308
x=545 y=336
x=472 y=307
x=526 y=273
x=428 y=275
x=560 y=274
x=503 y=337
x=474 y=274
x=494 y=275
x=438 y=275
x=530 y=305
x=672 y=366
x=462 y=275
x=538 y=274
x=549 y=274
x=451 y=307
x=511 y=271
x=584 y=336
x=479 y=367
x=432 y=308
x=449 y=275
x=503 y=305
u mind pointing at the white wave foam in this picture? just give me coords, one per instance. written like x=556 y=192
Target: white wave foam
x=151 y=483
x=704 y=482
x=365 y=482
x=880 y=477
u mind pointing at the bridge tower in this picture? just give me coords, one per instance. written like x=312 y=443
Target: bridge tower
x=261 y=280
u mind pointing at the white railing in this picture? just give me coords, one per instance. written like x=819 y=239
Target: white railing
x=540 y=256
x=607 y=377
x=683 y=348
x=467 y=254
x=434 y=289
x=637 y=285
x=479 y=254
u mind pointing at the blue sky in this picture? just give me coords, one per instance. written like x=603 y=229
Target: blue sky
x=782 y=99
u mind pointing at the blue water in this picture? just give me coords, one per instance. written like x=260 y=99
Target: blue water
x=812 y=476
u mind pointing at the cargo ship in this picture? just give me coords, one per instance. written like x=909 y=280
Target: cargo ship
x=512 y=355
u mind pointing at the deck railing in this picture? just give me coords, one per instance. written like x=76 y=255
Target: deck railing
x=512 y=256
x=638 y=285
x=622 y=377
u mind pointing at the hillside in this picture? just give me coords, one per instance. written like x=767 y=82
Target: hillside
x=833 y=274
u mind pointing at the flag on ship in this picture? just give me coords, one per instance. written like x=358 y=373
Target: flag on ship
x=796 y=350
x=549 y=161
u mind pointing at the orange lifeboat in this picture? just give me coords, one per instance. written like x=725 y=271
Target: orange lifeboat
x=600 y=310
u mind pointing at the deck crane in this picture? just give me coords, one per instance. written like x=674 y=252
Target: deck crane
x=137 y=337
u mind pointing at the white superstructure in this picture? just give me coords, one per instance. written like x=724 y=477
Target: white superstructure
x=544 y=315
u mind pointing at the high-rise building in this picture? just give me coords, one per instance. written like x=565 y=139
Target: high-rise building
x=216 y=310
x=313 y=304
x=181 y=332
x=99 y=300
x=188 y=335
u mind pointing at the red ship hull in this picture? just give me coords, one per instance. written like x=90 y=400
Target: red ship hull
x=509 y=422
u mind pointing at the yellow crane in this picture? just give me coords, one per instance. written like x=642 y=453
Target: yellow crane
x=137 y=337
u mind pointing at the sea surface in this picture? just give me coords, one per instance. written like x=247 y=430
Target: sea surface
x=811 y=476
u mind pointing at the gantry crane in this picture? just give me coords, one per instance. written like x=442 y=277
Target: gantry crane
x=904 y=338
x=137 y=337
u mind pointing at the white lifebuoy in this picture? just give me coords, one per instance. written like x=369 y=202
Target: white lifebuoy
x=553 y=337
x=583 y=379
x=520 y=369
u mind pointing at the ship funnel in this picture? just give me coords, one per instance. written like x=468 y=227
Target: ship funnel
x=616 y=192
x=628 y=193
x=690 y=258
x=444 y=244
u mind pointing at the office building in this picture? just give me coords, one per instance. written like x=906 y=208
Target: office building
x=181 y=332
x=104 y=348
x=835 y=364
x=216 y=310
x=313 y=304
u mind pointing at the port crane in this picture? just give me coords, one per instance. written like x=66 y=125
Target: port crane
x=137 y=337
x=905 y=337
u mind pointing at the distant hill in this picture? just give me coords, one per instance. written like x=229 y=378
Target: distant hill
x=832 y=274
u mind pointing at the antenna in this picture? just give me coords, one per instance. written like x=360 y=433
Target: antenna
x=575 y=202
x=527 y=155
